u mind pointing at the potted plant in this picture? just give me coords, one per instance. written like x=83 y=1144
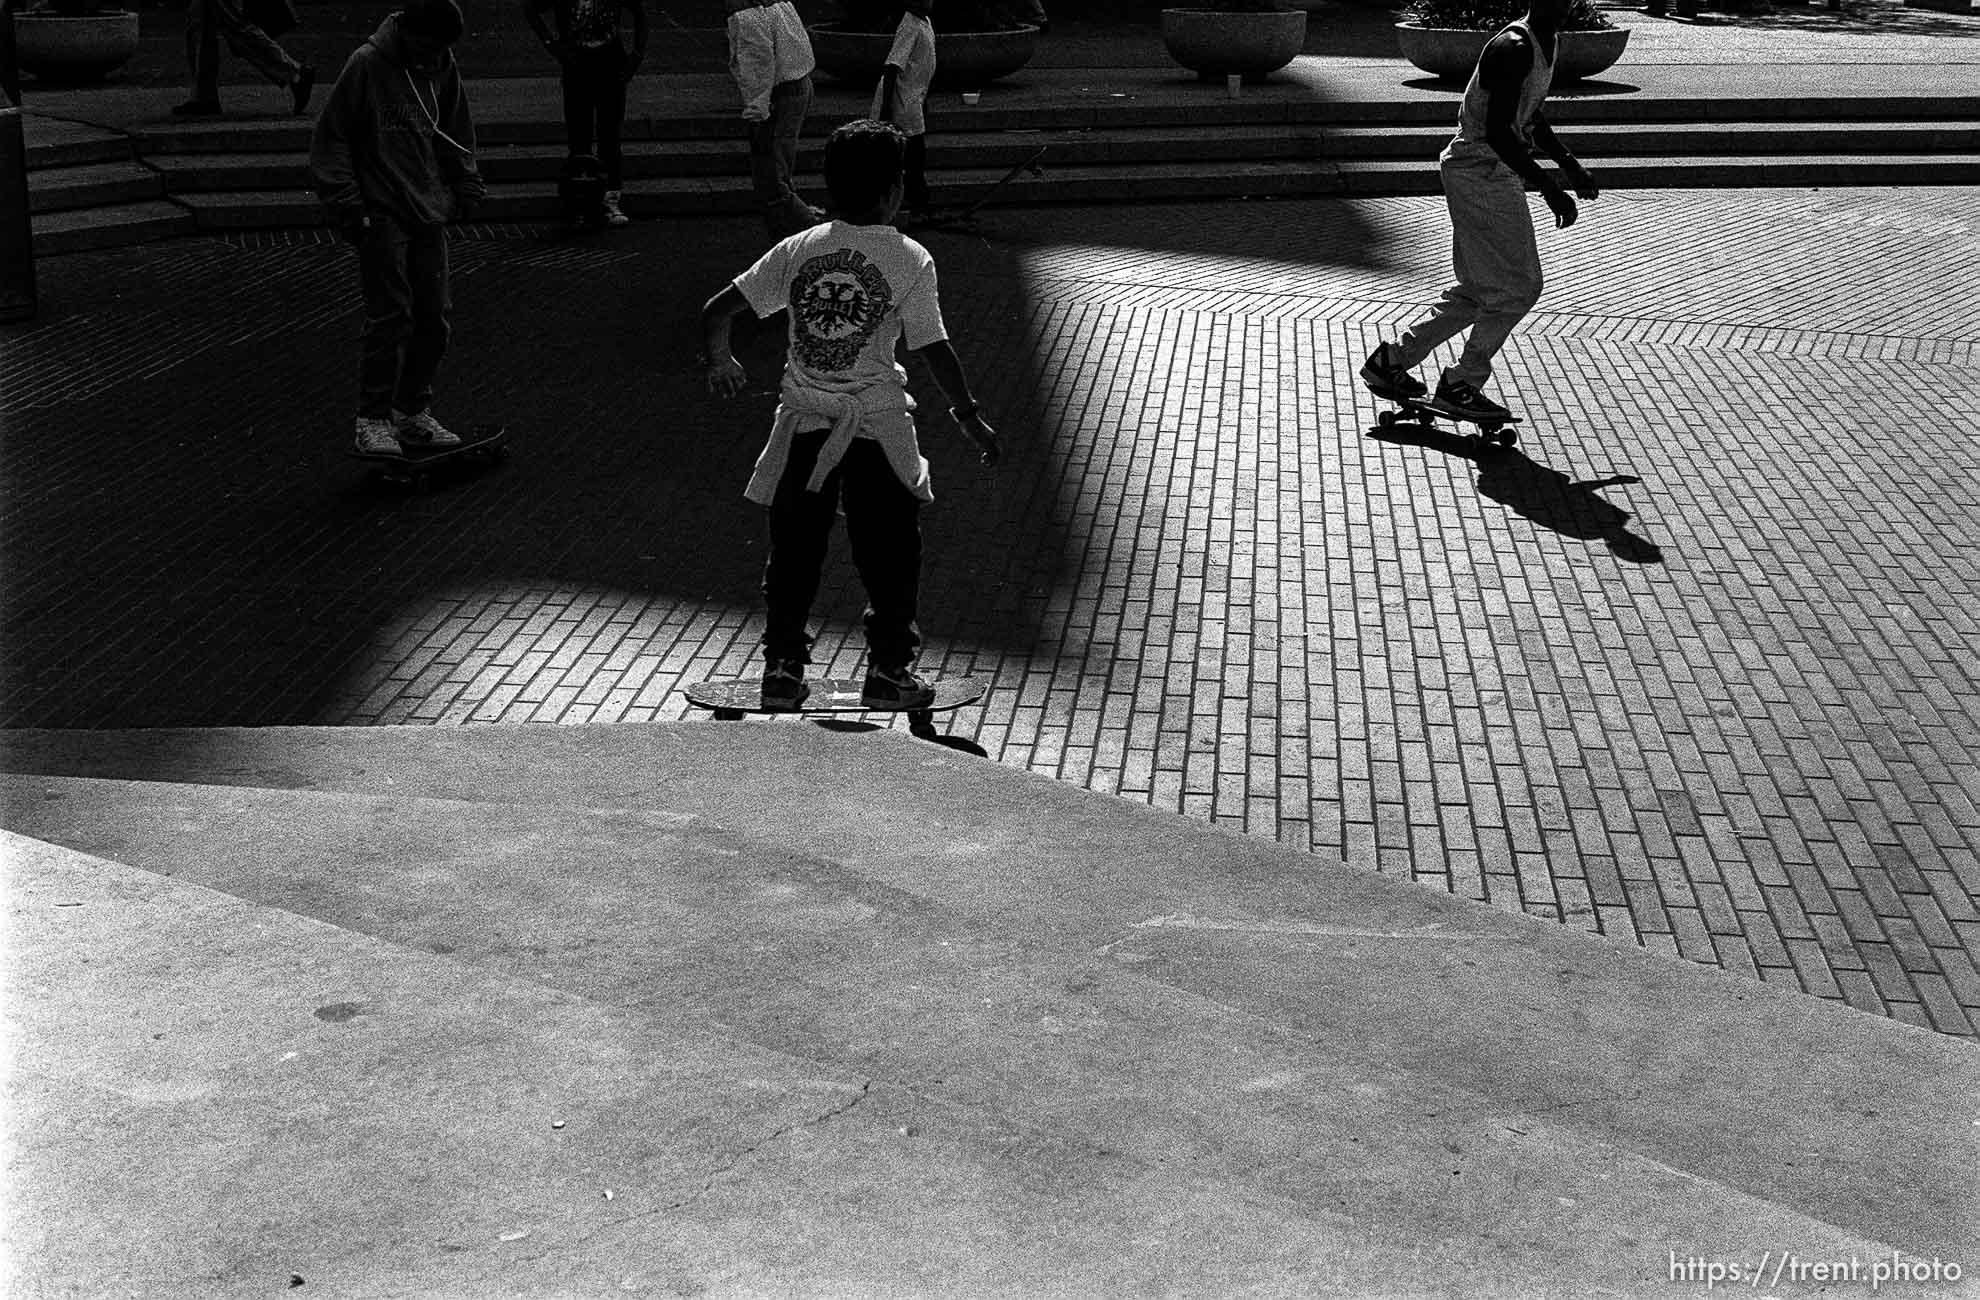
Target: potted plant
x=1235 y=38
x=1445 y=37
x=73 y=41
x=976 y=41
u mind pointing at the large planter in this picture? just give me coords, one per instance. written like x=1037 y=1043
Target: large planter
x=1452 y=54
x=68 y=49
x=963 y=60
x=1219 y=43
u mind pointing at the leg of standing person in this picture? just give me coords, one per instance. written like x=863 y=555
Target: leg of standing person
x=883 y=526
x=388 y=323
x=789 y=103
x=430 y=304
x=914 y=173
x=579 y=104
x=202 y=61
x=611 y=99
x=800 y=529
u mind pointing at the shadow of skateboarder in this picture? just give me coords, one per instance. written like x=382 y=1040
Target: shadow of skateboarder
x=1536 y=492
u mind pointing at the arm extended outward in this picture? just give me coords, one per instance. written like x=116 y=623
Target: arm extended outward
x=946 y=366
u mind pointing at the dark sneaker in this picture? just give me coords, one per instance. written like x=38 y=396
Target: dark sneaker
x=896 y=688
x=1455 y=397
x=304 y=83
x=783 y=684
x=1384 y=377
x=197 y=108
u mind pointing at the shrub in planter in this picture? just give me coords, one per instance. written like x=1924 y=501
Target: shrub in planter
x=1444 y=37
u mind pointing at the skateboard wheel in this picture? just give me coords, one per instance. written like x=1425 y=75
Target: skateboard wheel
x=921 y=722
x=728 y=715
x=1386 y=419
x=1508 y=437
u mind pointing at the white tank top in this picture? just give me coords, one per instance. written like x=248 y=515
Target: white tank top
x=1470 y=141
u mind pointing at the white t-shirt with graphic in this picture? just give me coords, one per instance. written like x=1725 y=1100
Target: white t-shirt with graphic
x=913 y=52
x=853 y=292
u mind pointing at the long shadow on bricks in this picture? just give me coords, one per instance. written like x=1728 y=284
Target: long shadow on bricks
x=1538 y=492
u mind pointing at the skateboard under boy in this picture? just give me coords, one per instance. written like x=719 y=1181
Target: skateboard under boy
x=481 y=444
x=732 y=697
x=581 y=188
x=967 y=216
x=1492 y=430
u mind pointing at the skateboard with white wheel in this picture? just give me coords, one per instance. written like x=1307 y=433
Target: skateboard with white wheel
x=1493 y=431
x=417 y=467
x=729 y=698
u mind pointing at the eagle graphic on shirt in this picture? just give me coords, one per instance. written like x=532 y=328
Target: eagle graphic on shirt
x=838 y=300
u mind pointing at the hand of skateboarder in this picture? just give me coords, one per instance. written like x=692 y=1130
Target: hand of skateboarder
x=724 y=374
x=1563 y=205
x=978 y=431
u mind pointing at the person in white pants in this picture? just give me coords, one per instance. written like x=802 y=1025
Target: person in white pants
x=1485 y=170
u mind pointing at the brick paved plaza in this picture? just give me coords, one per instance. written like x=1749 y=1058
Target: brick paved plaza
x=1692 y=667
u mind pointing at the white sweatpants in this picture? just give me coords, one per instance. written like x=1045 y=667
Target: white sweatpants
x=1497 y=261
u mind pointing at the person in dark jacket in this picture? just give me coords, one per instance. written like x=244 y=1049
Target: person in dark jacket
x=393 y=159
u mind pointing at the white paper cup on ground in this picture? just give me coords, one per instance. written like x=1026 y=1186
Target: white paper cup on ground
x=972 y=98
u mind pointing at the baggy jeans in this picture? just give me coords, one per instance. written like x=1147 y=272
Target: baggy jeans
x=1497 y=261
x=595 y=107
x=209 y=20
x=402 y=268
x=773 y=148
x=883 y=525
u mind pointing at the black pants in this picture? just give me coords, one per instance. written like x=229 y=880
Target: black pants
x=883 y=524
x=595 y=107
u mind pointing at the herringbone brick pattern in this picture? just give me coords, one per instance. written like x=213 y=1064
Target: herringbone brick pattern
x=1693 y=666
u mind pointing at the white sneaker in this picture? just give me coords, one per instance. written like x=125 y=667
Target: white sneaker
x=613 y=215
x=422 y=430
x=375 y=438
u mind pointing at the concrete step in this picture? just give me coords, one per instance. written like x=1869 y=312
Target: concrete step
x=1267 y=106
x=53 y=142
x=92 y=185
x=1295 y=1060
x=388 y=1096
x=80 y=229
x=683 y=196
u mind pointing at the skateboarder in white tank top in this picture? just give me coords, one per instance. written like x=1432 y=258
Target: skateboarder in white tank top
x=1485 y=170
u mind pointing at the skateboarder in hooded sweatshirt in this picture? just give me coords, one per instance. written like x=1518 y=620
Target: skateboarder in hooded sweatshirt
x=393 y=158
x=1485 y=170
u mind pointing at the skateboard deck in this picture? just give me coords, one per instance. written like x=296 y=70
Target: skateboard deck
x=967 y=216
x=732 y=697
x=1490 y=431
x=481 y=444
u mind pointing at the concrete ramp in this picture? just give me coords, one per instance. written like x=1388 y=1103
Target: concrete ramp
x=840 y=1013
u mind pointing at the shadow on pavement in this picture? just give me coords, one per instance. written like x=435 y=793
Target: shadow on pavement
x=1536 y=492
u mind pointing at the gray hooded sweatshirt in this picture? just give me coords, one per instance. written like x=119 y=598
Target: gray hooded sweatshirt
x=395 y=140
